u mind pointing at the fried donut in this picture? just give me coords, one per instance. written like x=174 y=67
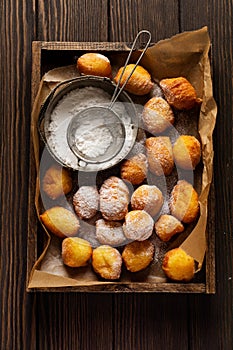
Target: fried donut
x=86 y=202
x=159 y=155
x=60 y=221
x=138 y=255
x=184 y=202
x=107 y=262
x=138 y=225
x=157 y=115
x=56 y=182
x=167 y=226
x=94 y=64
x=139 y=83
x=76 y=251
x=187 y=152
x=178 y=265
x=134 y=169
x=109 y=232
x=148 y=198
x=179 y=93
x=114 y=199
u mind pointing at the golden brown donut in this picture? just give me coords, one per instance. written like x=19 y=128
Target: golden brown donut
x=138 y=225
x=138 y=255
x=109 y=232
x=114 y=199
x=157 y=115
x=56 y=182
x=187 y=152
x=134 y=169
x=86 y=202
x=178 y=265
x=60 y=221
x=167 y=226
x=148 y=198
x=159 y=155
x=76 y=251
x=179 y=93
x=106 y=262
x=94 y=64
x=184 y=202
x=140 y=82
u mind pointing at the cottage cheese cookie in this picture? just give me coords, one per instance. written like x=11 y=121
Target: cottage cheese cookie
x=159 y=155
x=106 y=262
x=167 y=226
x=187 y=152
x=138 y=225
x=86 y=202
x=109 y=232
x=60 y=221
x=184 y=202
x=178 y=265
x=56 y=182
x=157 y=115
x=148 y=198
x=134 y=169
x=76 y=251
x=94 y=64
x=138 y=255
x=114 y=199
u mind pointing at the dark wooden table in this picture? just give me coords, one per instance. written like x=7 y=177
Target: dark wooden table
x=107 y=321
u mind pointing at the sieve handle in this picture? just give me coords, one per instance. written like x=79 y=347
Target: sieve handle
x=116 y=94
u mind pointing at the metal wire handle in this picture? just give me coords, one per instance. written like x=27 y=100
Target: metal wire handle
x=116 y=94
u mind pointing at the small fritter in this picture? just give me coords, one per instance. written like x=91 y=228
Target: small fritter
x=179 y=93
x=148 y=198
x=114 y=199
x=60 y=221
x=167 y=226
x=138 y=255
x=107 y=262
x=56 y=182
x=94 y=64
x=138 y=225
x=178 y=265
x=86 y=202
x=159 y=155
x=184 y=202
x=134 y=169
x=109 y=232
x=157 y=115
x=76 y=251
x=139 y=83
x=187 y=152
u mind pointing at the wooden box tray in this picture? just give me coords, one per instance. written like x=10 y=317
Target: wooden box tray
x=49 y=55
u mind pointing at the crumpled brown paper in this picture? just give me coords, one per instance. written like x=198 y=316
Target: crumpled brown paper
x=185 y=54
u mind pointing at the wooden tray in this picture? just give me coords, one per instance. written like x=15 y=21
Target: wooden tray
x=49 y=55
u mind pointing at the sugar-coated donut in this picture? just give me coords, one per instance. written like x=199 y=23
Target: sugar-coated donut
x=76 y=251
x=138 y=255
x=159 y=155
x=138 y=225
x=178 y=265
x=167 y=226
x=107 y=262
x=109 y=232
x=86 y=202
x=187 y=152
x=148 y=198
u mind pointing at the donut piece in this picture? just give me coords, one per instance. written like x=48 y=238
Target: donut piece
x=157 y=115
x=184 y=202
x=109 y=232
x=86 y=202
x=60 y=221
x=148 y=198
x=76 y=251
x=179 y=93
x=138 y=255
x=114 y=199
x=167 y=226
x=94 y=64
x=138 y=225
x=56 y=182
x=187 y=152
x=134 y=169
x=159 y=155
x=178 y=265
x=107 y=262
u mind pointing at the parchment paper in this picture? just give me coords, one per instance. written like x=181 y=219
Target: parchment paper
x=185 y=54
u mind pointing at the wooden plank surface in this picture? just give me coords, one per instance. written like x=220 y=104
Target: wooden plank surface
x=92 y=321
